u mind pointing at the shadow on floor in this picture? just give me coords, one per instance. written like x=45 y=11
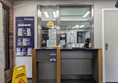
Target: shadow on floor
x=29 y=80
x=71 y=81
x=78 y=81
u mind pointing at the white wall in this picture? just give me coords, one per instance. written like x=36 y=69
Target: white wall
x=29 y=8
x=1 y=48
x=25 y=9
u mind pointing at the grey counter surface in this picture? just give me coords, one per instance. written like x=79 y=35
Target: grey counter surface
x=68 y=49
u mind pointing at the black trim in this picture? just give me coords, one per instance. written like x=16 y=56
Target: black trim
x=6 y=37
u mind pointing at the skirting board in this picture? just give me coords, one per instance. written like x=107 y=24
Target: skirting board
x=111 y=82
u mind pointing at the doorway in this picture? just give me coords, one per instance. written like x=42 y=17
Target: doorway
x=110 y=44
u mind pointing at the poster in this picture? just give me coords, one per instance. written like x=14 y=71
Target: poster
x=50 y=24
x=51 y=43
x=52 y=34
x=24 y=35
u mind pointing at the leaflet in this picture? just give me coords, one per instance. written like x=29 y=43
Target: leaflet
x=29 y=51
x=18 y=51
x=20 y=32
x=28 y=42
x=24 y=41
x=24 y=51
x=28 y=32
x=19 y=42
x=24 y=32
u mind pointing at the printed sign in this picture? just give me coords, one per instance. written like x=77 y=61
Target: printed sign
x=50 y=24
x=24 y=35
x=52 y=56
x=52 y=34
x=19 y=75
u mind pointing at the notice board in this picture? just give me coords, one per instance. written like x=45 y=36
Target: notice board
x=24 y=35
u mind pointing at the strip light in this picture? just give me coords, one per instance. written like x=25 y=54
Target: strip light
x=86 y=14
x=46 y=14
x=82 y=26
x=77 y=26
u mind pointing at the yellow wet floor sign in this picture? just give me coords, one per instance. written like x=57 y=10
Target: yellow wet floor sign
x=19 y=75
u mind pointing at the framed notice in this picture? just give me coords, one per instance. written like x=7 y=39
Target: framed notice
x=24 y=35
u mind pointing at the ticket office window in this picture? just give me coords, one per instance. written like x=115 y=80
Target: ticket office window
x=75 y=23
x=48 y=26
x=72 y=25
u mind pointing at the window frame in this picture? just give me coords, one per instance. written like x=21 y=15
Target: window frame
x=6 y=38
x=39 y=23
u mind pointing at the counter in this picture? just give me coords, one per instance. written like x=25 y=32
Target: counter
x=71 y=64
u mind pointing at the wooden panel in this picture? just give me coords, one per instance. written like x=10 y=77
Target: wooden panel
x=100 y=66
x=34 y=66
x=58 y=65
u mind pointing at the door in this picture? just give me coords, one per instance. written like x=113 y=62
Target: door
x=110 y=44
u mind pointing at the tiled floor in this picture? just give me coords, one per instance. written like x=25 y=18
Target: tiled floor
x=29 y=80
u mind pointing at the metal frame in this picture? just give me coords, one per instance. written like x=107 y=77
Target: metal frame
x=92 y=25
x=103 y=46
x=91 y=21
x=38 y=26
x=58 y=21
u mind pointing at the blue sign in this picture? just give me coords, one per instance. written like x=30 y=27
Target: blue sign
x=24 y=35
x=52 y=56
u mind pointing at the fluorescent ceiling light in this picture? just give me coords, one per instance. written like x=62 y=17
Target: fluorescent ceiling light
x=77 y=26
x=54 y=14
x=46 y=14
x=82 y=26
x=86 y=14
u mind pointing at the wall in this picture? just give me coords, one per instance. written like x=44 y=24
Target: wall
x=8 y=72
x=1 y=47
x=25 y=9
x=29 y=8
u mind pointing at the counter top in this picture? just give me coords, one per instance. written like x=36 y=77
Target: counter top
x=77 y=49
x=69 y=49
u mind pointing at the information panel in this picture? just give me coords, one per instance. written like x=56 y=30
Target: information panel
x=24 y=35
